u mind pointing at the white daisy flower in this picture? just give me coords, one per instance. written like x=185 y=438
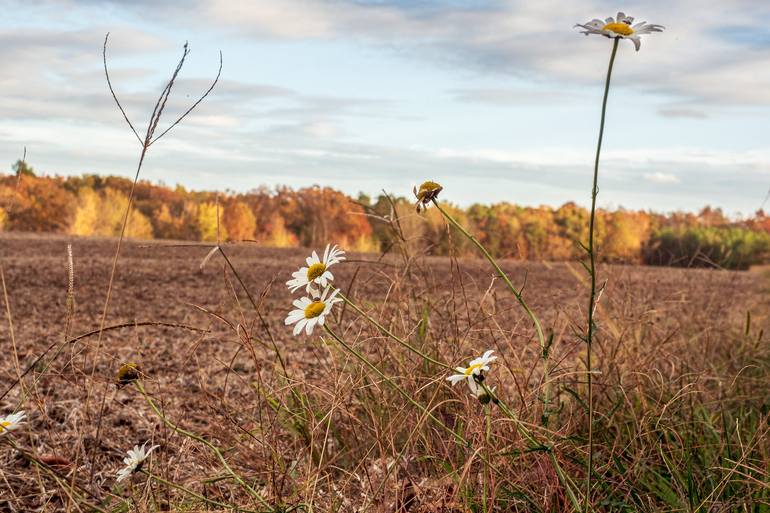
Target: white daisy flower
x=134 y=460
x=11 y=422
x=317 y=270
x=475 y=368
x=312 y=310
x=620 y=28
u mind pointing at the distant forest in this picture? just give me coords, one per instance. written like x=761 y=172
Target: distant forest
x=312 y=216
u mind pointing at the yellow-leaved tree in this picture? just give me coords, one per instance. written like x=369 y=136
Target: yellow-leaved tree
x=103 y=215
x=239 y=221
x=207 y=222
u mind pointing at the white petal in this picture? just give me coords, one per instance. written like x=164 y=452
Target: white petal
x=310 y=325
x=291 y=319
x=455 y=378
x=299 y=326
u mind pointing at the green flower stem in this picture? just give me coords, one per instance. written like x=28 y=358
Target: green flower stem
x=534 y=444
x=545 y=347
x=194 y=494
x=500 y=272
x=592 y=272
x=392 y=383
x=251 y=491
x=390 y=334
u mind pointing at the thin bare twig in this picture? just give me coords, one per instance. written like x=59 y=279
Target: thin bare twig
x=112 y=91
x=214 y=83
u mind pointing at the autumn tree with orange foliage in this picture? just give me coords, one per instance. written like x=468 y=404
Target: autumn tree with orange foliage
x=92 y=205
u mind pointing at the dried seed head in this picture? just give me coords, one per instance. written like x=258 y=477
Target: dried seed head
x=427 y=192
x=127 y=374
x=484 y=398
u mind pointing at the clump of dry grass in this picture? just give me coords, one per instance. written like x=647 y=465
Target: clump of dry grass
x=681 y=395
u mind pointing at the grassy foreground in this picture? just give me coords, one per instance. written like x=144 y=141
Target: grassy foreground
x=681 y=379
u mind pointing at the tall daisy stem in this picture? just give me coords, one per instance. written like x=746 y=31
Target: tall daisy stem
x=592 y=271
x=569 y=486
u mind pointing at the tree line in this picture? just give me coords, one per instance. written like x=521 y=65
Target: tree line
x=94 y=205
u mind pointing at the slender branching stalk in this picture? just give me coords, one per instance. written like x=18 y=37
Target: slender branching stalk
x=545 y=345
x=592 y=272
x=149 y=140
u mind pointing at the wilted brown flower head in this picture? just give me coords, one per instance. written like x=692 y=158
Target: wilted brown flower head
x=427 y=192
x=127 y=374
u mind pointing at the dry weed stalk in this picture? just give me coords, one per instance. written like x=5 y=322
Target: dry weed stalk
x=148 y=140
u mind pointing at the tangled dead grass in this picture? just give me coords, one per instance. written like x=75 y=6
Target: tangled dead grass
x=681 y=385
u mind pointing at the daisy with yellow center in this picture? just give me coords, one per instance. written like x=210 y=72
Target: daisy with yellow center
x=621 y=28
x=475 y=368
x=317 y=270
x=11 y=422
x=312 y=311
x=134 y=460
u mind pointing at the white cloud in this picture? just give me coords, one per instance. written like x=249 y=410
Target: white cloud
x=701 y=56
x=661 y=178
x=53 y=96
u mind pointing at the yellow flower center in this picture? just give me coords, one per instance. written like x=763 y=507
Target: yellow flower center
x=619 y=28
x=4 y=424
x=472 y=368
x=314 y=309
x=315 y=271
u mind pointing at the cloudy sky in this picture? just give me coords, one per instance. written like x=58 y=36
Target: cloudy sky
x=497 y=100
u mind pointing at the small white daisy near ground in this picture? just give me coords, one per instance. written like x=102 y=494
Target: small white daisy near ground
x=134 y=460
x=475 y=368
x=11 y=422
x=622 y=28
x=317 y=270
x=312 y=310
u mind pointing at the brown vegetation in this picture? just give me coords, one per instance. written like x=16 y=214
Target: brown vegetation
x=681 y=398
